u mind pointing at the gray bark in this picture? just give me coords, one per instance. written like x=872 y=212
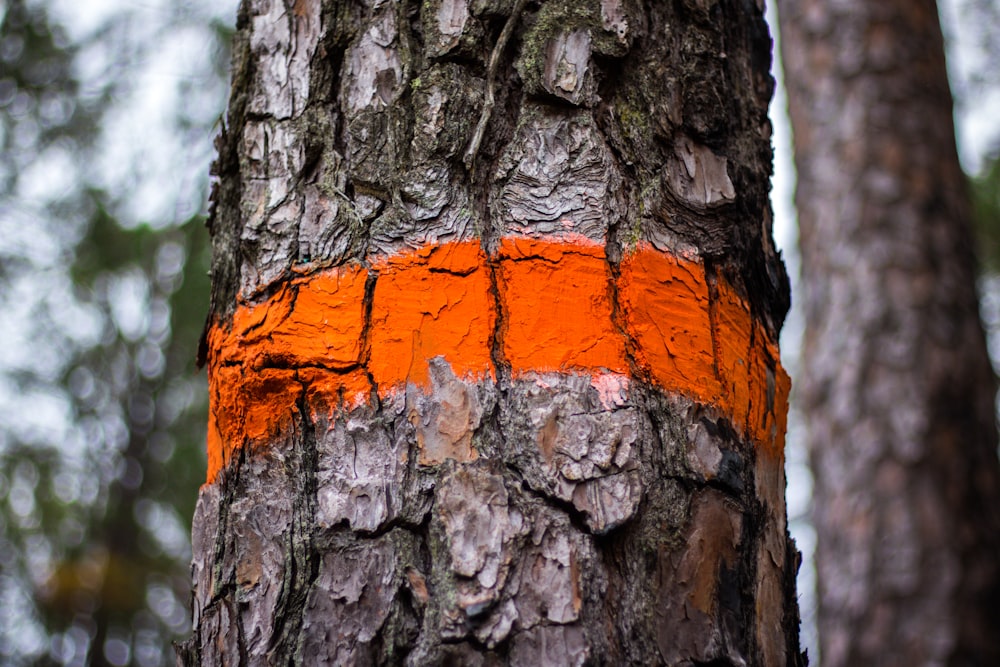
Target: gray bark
x=897 y=388
x=538 y=518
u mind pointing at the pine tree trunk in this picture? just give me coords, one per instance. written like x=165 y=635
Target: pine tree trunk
x=898 y=390
x=492 y=345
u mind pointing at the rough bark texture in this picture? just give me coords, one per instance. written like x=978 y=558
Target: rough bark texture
x=490 y=344
x=897 y=389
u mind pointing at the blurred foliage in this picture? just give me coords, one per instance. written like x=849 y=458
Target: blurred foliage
x=985 y=189
x=986 y=205
x=103 y=291
x=39 y=94
x=104 y=537
x=980 y=22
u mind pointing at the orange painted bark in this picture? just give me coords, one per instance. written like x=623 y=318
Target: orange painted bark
x=312 y=321
x=665 y=301
x=247 y=409
x=434 y=301
x=557 y=307
x=755 y=387
x=733 y=338
x=556 y=297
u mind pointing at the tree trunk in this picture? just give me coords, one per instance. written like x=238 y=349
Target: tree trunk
x=897 y=390
x=492 y=347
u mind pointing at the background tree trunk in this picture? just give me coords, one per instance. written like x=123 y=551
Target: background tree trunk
x=897 y=390
x=491 y=350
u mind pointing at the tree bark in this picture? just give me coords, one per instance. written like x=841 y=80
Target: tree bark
x=492 y=350
x=897 y=388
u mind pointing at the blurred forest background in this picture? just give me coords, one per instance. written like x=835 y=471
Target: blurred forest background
x=107 y=113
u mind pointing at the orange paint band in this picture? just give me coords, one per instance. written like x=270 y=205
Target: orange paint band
x=310 y=340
